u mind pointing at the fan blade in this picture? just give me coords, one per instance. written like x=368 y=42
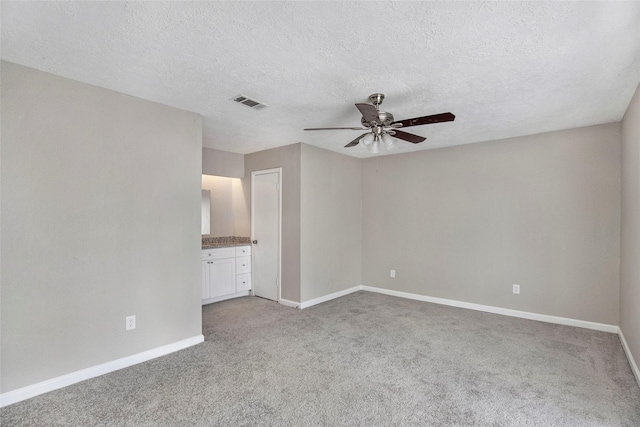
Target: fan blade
x=407 y=136
x=355 y=141
x=369 y=112
x=426 y=120
x=360 y=128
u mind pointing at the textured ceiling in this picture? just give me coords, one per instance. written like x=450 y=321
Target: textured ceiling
x=503 y=68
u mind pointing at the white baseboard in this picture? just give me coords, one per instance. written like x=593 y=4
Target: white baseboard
x=33 y=390
x=288 y=303
x=329 y=297
x=632 y=362
x=498 y=310
x=226 y=297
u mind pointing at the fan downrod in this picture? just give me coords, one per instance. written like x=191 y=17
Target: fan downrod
x=376 y=99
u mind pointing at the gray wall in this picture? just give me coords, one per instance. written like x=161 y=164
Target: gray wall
x=288 y=158
x=222 y=163
x=229 y=214
x=330 y=222
x=100 y=220
x=467 y=222
x=241 y=212
x=630 y=228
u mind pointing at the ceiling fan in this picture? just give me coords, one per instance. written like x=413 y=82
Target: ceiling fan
x=380 y=126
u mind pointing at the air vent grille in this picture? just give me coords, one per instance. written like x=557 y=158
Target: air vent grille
x=251 y=103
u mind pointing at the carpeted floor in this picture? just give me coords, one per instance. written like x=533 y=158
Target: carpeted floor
x=361 y=360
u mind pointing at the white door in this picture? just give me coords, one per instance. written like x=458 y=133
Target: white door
x=265 y=230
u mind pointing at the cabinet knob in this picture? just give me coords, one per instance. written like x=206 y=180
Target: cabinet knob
x=255 y=242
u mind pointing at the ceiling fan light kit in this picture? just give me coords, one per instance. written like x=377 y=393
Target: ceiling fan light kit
x=367 y=140
x=382 y=128
x=375 y=146
x=389 y=142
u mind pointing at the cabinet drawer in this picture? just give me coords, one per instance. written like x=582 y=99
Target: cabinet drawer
x=243 y=264
x=218 y=253
x=243 y=250
x=243 y=282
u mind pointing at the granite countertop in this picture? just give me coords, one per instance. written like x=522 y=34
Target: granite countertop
x=209 y=242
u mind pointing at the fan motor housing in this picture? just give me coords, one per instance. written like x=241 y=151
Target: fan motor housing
x=385 y=119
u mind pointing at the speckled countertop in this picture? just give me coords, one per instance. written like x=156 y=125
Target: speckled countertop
x=209 y=242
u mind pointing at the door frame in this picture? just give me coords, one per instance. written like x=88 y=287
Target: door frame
x=279 y=254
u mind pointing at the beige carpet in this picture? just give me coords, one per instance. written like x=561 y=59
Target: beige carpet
x=361 y=360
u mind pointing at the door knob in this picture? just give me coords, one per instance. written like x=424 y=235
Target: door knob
x=255 y=242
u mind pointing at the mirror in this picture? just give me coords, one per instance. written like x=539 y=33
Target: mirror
x=206 y=212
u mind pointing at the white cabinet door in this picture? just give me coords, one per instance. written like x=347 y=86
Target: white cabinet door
x=222 y=274
x=206 y=291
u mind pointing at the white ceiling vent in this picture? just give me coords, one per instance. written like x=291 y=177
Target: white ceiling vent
x=252 y=103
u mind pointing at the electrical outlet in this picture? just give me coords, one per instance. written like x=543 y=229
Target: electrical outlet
x=516 y=289
x=393 y=273
x=130 y=323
